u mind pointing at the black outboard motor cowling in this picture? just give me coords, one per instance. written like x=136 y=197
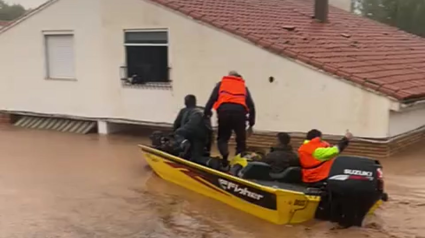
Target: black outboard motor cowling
x=354 y=185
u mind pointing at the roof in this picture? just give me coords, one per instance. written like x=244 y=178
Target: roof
x=4 y=23
x=26 y=15
x=368 y=53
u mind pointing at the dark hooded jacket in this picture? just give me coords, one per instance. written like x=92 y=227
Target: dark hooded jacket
x=281 y=157
x=191 y=123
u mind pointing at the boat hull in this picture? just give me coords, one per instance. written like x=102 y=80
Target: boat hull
x=278 y=206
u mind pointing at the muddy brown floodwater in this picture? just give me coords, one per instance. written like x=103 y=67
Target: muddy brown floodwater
x=65 y=185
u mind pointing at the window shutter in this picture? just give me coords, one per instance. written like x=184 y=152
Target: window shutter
x=60 y=56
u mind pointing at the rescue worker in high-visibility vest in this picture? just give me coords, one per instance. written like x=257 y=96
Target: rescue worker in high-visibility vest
x=317 y=156
x=232 y=101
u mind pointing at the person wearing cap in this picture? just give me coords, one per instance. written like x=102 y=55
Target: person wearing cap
x=317 y=156
x=191 y=125
x=232 y=101
x=282 y=156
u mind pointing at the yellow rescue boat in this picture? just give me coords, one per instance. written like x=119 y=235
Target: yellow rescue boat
x=276 y=202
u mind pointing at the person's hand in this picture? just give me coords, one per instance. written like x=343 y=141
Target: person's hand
x=250 y=131
x=348 y=135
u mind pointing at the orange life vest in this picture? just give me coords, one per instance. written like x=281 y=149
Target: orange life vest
x=232 y=90
x=313 y=170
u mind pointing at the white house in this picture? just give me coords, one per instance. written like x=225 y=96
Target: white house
x=68 y=57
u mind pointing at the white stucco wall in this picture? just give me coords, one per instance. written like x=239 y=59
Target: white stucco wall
x=22 y=62
x=301 y=98
x=406 y=120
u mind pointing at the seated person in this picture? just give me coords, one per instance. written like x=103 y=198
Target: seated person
x=282 y=156
x=191 y=125
x=189 y=102
x=317 y=156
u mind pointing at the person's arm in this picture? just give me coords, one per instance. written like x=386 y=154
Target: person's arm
x=295 y=160
x=251 y=106
x=269 y=158
x=343 y=143
x=178 y=120
x=324 y=154
x=213 y=98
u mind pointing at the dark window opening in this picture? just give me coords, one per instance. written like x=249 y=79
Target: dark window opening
x=147 y=63
x=147 y=57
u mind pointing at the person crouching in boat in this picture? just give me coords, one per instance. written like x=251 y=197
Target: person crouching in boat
x=316 y=156
x=282 y=155
x=191 y=125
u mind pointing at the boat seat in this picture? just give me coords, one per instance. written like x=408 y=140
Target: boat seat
x=256 y=170
x=290 y=175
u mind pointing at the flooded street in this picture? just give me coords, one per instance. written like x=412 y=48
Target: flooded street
x=65 y=185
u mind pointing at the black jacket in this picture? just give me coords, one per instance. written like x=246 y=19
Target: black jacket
x=231 y=106
x=282 y=157
x=190 y=123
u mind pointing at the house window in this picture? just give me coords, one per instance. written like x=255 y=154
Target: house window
x=147 y=57
x=60 y=58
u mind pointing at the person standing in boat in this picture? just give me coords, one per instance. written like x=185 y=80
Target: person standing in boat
x=282 y=155
x=190 y=124
x=317 y=156
x=232 y=101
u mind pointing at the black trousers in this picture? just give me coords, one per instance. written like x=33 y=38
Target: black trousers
x=229 y=121
x=197 y=148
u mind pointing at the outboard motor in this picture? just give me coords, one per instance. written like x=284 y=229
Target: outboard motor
x=354 y=185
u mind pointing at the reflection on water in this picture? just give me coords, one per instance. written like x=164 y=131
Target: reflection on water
x=65 y=185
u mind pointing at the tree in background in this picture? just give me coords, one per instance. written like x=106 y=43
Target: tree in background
x=408 y=15
x=10 y=12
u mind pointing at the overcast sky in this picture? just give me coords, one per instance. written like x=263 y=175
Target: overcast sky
x=28 y=3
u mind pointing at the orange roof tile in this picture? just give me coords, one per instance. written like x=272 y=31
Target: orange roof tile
x=357 y=49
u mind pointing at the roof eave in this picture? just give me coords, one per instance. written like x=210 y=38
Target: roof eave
x=27 y=15
x=412 y=104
